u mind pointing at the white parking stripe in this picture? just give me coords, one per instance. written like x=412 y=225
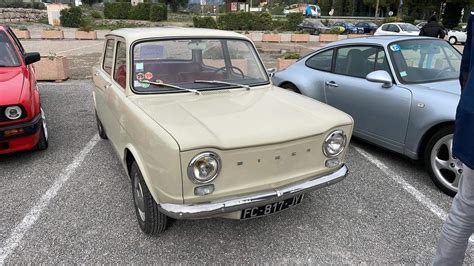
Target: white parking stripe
x=406 y=186
x=20 y=230
x=80 y=48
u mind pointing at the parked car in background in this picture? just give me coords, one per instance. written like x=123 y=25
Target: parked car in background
x=22 y=121
x=421 y=24
x=369 y=27
x=457 y=36
x=313 y=26
x=402 y=92
x=397 y=29
x=202 y=132
x=349 y=28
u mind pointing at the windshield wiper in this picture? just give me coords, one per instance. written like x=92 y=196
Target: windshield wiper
x=222 y=83
x=171 y=86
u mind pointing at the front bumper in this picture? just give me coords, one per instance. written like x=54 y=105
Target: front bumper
x=25 y=140
x=209 y=209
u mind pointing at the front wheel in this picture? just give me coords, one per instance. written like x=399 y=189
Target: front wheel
x=150 y=219
x=43 y=140
x=453 y=40
x=290 y=87
x=444 y=168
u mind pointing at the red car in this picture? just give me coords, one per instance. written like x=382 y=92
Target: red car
x=22 y=121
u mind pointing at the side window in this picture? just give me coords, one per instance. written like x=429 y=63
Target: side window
x=356 y=61
x=393 y=28
x=109 y=56
x=321 y=61
x=382 y=61
x=120 y=74
x=385 y=27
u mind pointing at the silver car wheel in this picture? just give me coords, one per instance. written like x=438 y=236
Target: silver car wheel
x=446 y=167
x=45 y=128
x=138 y=197
x=453 y=40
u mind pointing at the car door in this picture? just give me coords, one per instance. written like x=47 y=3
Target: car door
x=393 y=29
x=317 y=66
x=102 y=79
x=380 y=114
x=116 y=96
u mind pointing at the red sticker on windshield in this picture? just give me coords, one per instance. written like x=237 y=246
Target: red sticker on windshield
x=148 y=75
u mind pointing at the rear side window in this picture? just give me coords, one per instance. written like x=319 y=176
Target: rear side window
x=385 y=27
x=120 y=69
x=109 y=56
x=321 y=61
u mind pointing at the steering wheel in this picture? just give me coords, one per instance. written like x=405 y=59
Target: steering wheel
x=230 y=67
x=444 y=70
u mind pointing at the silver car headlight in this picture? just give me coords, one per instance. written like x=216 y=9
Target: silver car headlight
x=334 y=144
x=204 y=167
x=13 y=112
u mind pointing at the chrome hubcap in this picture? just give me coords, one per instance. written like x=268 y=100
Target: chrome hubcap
x=45 y=128
x=446 y=167
x=138 y=197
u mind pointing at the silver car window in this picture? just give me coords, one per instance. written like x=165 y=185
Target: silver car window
x=321 y=61
x=355 y=61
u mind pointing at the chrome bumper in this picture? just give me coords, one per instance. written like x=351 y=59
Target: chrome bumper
x=209 y=209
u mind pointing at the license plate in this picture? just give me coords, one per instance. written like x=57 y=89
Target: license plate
x=271 y=208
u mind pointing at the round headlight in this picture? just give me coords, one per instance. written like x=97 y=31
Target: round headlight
x=204 y=167
x=334 y=143
x=13 y=112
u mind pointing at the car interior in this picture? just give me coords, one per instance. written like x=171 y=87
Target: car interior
x=8 y=56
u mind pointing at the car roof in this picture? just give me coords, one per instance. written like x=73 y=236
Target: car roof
x=134 y=34
x=380 y=40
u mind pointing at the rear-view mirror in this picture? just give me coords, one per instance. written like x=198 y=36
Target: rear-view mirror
x=31 y=58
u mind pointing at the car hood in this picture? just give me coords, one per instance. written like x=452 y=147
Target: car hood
x=11 y=85
x=449 y=86
x=230 y=119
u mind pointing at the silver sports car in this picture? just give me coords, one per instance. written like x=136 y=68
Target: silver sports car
x=401 y=91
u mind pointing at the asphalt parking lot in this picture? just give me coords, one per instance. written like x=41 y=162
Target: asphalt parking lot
x=73 y=204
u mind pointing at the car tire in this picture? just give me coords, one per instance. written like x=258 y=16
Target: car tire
x=444 y=169
x=150 y=219
x=100 y=128
x=453 y=40
x=316 y=32
x=290 y=87
x=43 y=140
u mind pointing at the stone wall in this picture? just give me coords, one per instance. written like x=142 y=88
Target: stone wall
x=21 y=14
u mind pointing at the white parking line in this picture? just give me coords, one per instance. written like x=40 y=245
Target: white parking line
x=20 y=230
x=424 y=200
x=75 y=49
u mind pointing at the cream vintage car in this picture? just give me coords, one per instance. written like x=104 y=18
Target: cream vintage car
x=202 y=132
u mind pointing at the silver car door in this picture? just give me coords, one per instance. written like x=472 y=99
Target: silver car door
x=317 y=66
x=380 y=114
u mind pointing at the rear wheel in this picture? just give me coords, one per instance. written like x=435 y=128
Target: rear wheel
x=444 y=168
x=453 y=40
x=43 y=140
x=150 y=219
x=290 y=87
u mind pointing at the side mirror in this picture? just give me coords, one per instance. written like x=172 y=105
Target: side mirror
x=31 y=58
x=271 y=72
x=380 y=76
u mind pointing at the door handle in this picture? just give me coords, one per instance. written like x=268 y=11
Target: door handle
x=331 y=84
x=107 y=85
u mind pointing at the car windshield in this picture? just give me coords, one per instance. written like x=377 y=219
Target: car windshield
x=408 y=27
x=423 y=61
x=186 y=63
x=8 y=56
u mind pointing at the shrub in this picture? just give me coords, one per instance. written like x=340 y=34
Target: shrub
x=409 y=19
x=86 y=24
x=392 y=19
x=204 y=22
x=158 y=12
x=245 y=21
x=71 y=17
x=280 y=25
x=96 y=14
x=291 y=55
x=294 y=19
x=140 y=12
x=336 y=30
x=117 y=10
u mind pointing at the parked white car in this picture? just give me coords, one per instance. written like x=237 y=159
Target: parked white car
x=397 y=29
x=456 y=36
